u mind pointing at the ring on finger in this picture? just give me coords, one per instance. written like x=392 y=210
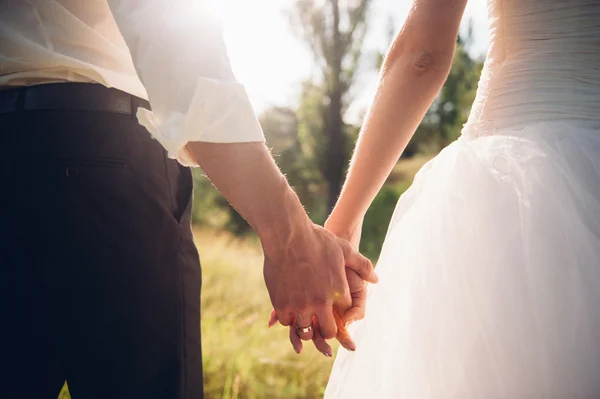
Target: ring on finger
x=305 y=329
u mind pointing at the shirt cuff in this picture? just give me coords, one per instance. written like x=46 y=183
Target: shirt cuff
x=220 y=112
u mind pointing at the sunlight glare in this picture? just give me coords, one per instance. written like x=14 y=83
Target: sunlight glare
x=266 y=57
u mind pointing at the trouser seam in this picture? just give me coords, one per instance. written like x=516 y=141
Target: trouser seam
x=183 y=313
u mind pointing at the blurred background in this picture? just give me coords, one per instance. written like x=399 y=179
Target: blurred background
x=310 y=68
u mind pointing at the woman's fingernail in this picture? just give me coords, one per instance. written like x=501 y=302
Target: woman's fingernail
x=349 y=322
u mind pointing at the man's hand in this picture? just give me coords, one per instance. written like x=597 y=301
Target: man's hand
x=308 y=278
x=350 y=232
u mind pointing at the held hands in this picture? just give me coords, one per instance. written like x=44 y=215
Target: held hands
x=325 y=290
x=358 y=293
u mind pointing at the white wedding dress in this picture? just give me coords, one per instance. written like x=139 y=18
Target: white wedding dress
x=490 y=272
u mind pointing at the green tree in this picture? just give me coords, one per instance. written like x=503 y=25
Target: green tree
x=334 y=31
x=457 y=96
x=296 y=157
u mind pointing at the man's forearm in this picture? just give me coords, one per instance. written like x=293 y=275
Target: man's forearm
x=246 y=174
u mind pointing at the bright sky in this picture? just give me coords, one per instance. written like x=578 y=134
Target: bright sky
x=272 y=62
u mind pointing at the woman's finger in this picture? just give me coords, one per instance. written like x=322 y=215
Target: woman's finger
x=285 y=318
x=342 y=332
x=359 y=263
x=353 y=315
x=327 y=323
x=358 y=292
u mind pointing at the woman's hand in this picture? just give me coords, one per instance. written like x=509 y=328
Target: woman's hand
x=346 y=228
x=350 y=230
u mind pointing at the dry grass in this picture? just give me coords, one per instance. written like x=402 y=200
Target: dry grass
x=242 y=357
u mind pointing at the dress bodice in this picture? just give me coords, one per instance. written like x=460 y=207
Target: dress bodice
x=543 y=64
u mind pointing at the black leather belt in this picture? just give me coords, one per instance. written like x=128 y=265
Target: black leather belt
x=70 y=96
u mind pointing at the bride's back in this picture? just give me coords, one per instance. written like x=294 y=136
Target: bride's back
x=543 y=64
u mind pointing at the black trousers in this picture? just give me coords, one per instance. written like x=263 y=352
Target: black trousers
x=99 y=275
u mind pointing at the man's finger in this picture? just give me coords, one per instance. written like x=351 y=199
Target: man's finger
x=327 y=323
x=295 y=339
x=304 y=326
x=285 y=318
x=359 y=263
x=320 y=343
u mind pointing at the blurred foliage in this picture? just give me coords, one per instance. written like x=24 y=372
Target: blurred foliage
x=298 y=143
x=334 y=31
x=377 y=219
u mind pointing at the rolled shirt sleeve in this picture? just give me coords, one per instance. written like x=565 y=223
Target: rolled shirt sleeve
x=180 y=56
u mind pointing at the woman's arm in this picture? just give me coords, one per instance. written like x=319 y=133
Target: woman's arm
x=414 y=70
